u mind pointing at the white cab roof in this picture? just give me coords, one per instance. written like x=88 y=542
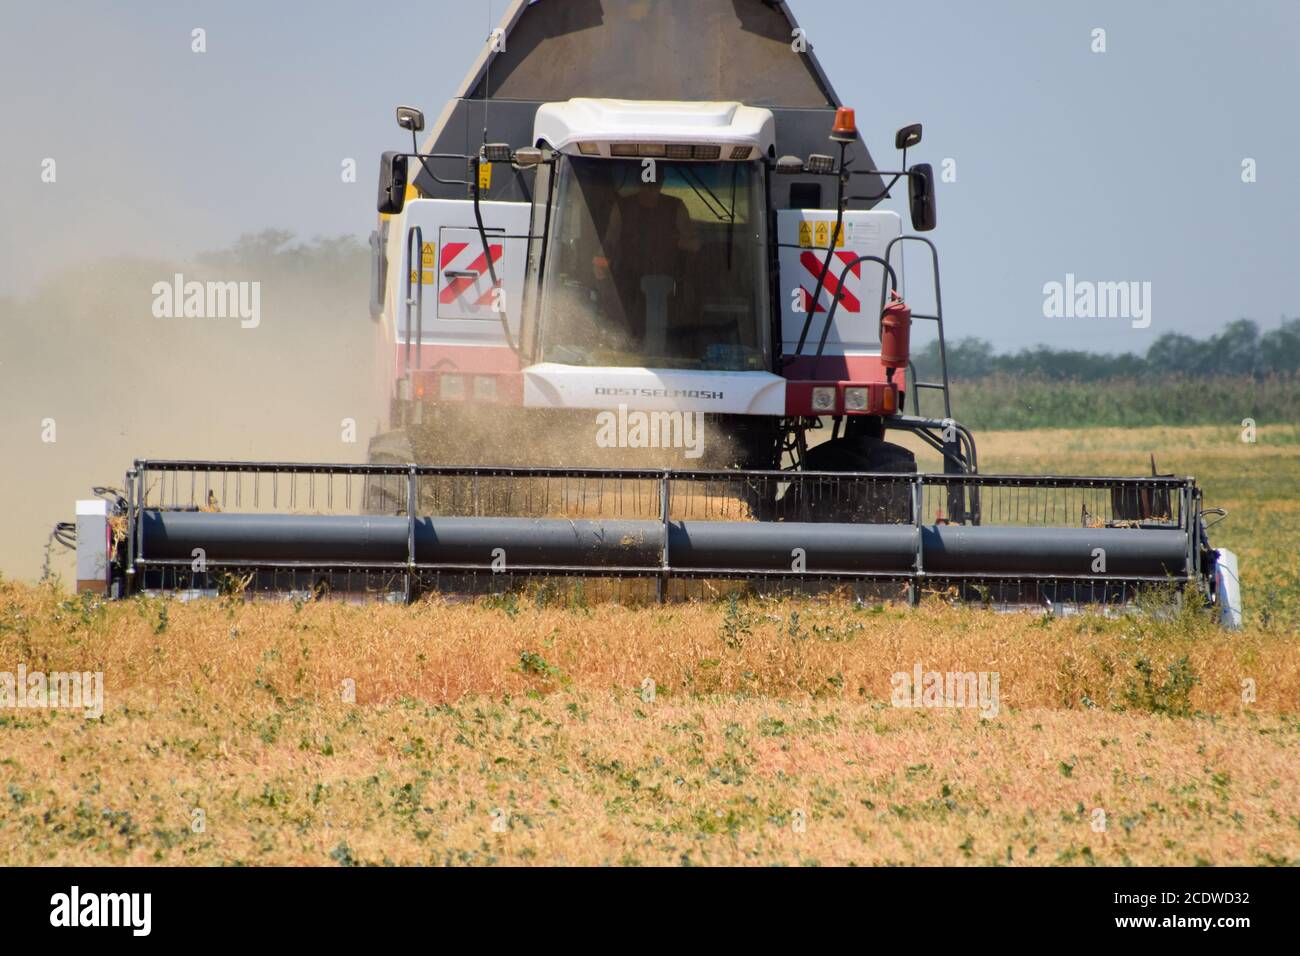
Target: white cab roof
x=604 y=122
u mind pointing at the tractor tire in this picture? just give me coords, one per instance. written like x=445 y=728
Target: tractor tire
x=861 y=454
x=842 y=501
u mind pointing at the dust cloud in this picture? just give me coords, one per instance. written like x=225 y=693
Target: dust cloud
x=86 y=362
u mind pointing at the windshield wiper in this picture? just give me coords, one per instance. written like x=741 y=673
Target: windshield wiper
x=724 y=215
x=731 y=223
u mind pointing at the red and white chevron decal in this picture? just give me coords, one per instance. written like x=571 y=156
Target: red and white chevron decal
x=812 y=262
x=469 y=293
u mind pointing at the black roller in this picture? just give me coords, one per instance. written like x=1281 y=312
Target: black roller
x=693 y=545
x=223 y=536
x=538 y=541
x=1071 y=552
x=771 y=546
x=359 y=539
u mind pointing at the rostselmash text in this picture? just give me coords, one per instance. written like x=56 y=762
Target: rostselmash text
x=629 y=391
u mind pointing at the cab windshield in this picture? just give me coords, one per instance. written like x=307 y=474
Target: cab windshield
x=665 y=273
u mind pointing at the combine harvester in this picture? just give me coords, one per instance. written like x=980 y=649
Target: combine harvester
x=635 y=221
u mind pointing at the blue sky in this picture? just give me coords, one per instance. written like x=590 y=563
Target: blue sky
x=1123 y=165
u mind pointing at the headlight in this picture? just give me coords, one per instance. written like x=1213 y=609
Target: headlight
x=823 y=399
x=820 y=164
x=855 y=399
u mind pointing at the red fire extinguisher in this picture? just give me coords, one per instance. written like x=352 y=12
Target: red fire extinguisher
x=895 y=334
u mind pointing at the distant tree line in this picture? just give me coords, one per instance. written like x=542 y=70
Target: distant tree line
x=1240 y=349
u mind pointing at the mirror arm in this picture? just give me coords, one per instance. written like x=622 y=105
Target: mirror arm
x=424 y=157
x=885 y=194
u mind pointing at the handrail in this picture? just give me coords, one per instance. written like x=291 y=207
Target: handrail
x=414 y=267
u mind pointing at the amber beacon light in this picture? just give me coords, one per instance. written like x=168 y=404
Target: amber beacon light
x=845 y=129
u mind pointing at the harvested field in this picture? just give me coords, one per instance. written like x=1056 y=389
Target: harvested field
x=545 y=728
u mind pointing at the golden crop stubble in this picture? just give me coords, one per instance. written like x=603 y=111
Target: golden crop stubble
x=437 y=651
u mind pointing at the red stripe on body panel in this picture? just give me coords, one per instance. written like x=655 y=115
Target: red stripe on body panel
x=848 y=301
x=836 y=368
x=450 y=251
x=453 y=289
x=488 y=359
x=846 y=258
x=807 y=297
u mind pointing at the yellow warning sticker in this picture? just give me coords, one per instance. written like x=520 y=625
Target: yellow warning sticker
x=484 y=175
x=428 y=272
x=818 y=235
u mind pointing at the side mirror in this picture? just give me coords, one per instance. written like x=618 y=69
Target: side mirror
x=908 y=136
x=392 y=182
x=920 y=189
x=408 y=117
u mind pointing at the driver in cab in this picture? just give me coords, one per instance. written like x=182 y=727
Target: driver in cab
x=648 y=231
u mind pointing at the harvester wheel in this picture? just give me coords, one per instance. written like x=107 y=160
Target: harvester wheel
x=832 y=500
x=381 y=494
x=860 y=454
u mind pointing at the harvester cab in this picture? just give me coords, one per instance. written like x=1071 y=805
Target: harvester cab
x=651 y=239
x=651 y=270
x=599 y=243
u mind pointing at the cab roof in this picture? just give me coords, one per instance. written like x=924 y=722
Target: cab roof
x=600 y=127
